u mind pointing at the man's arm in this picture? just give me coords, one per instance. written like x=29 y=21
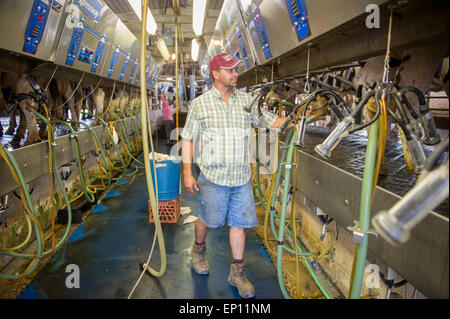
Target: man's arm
x=279 y=121
x=187 y=154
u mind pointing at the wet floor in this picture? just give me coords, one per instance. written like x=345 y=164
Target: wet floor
x=110 y=244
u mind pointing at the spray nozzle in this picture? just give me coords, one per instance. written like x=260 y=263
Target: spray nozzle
x=334 y=138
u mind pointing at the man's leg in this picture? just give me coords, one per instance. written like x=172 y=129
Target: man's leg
x=241 y=215
x=237 y=242
x=201 y=231
x=238 y=277
x=198 y=250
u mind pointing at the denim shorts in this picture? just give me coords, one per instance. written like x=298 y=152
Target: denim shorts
x=219 y=202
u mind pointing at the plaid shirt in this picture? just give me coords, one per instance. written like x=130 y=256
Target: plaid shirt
x=222 y=135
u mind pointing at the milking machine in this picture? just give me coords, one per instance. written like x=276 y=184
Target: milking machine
x=432 y=187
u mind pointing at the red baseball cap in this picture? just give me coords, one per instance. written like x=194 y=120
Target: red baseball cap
x=222 y=60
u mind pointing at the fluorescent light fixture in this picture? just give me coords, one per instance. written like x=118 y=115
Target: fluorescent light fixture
x=194 y=50
x=217 y=43
x=198 y=16
x=161 y=45
x=245 y=4
x=151 y=23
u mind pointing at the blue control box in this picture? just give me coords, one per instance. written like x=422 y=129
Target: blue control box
x=98 y=54
x=75 y=44
x=86 y=55
x=113 y=61
x=132 y=71
x=262 y=35
x=124 y=68
x=299 y=18
x=36 y=26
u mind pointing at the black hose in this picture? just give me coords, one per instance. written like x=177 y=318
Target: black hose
x=363 y=102
x=321 y=83
x=346 y=110
x=359 y=92
x=291 y=116
x=399 y=121
x=419 y=95
x=344 y=81
x=335 y=110
x=366 y=98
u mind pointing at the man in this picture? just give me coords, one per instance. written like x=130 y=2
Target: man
x=224 y=129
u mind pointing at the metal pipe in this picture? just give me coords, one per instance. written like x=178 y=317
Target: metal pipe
x=395 y=225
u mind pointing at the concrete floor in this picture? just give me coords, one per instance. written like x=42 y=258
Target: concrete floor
x=111 y=243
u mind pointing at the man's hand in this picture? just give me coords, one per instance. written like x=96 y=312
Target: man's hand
x=190 y=184
x=279 y=121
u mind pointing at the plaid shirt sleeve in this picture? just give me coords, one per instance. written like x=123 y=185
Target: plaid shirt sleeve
x=188 y=132
x=268 y=117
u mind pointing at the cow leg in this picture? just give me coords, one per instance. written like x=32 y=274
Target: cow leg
x=33 y=134
x=20 y=132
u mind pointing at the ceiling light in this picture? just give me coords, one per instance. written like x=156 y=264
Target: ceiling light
x=161 y=45
x=198 y=16
x=194 y=50
x=151 y=23
x=173 y=56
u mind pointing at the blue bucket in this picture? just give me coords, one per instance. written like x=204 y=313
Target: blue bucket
x=168 y=174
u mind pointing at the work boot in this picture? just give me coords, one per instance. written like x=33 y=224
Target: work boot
x=238 y=279
x=199 y=262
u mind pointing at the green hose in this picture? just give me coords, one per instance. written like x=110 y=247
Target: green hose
x=124 y=131
x=89 y=196
x=364 y=215
x=111 y=138
x=290 y=149
x=94 y=135
x=66 y=199
x=287 y=177
x=36 y=228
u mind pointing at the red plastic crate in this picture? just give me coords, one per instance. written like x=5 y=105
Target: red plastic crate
x=169 y=210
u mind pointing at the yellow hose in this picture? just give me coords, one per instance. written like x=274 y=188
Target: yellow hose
x=144 y=117
x=382 y=139
x=50 y=179
x=25 y=205
x=294 y=228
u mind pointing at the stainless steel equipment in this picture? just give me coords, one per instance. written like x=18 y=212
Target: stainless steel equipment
x=85 y=42
x=234 y=36
x=31 y=28
x=274 y=28
x=82 y=36
x=124 y=48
